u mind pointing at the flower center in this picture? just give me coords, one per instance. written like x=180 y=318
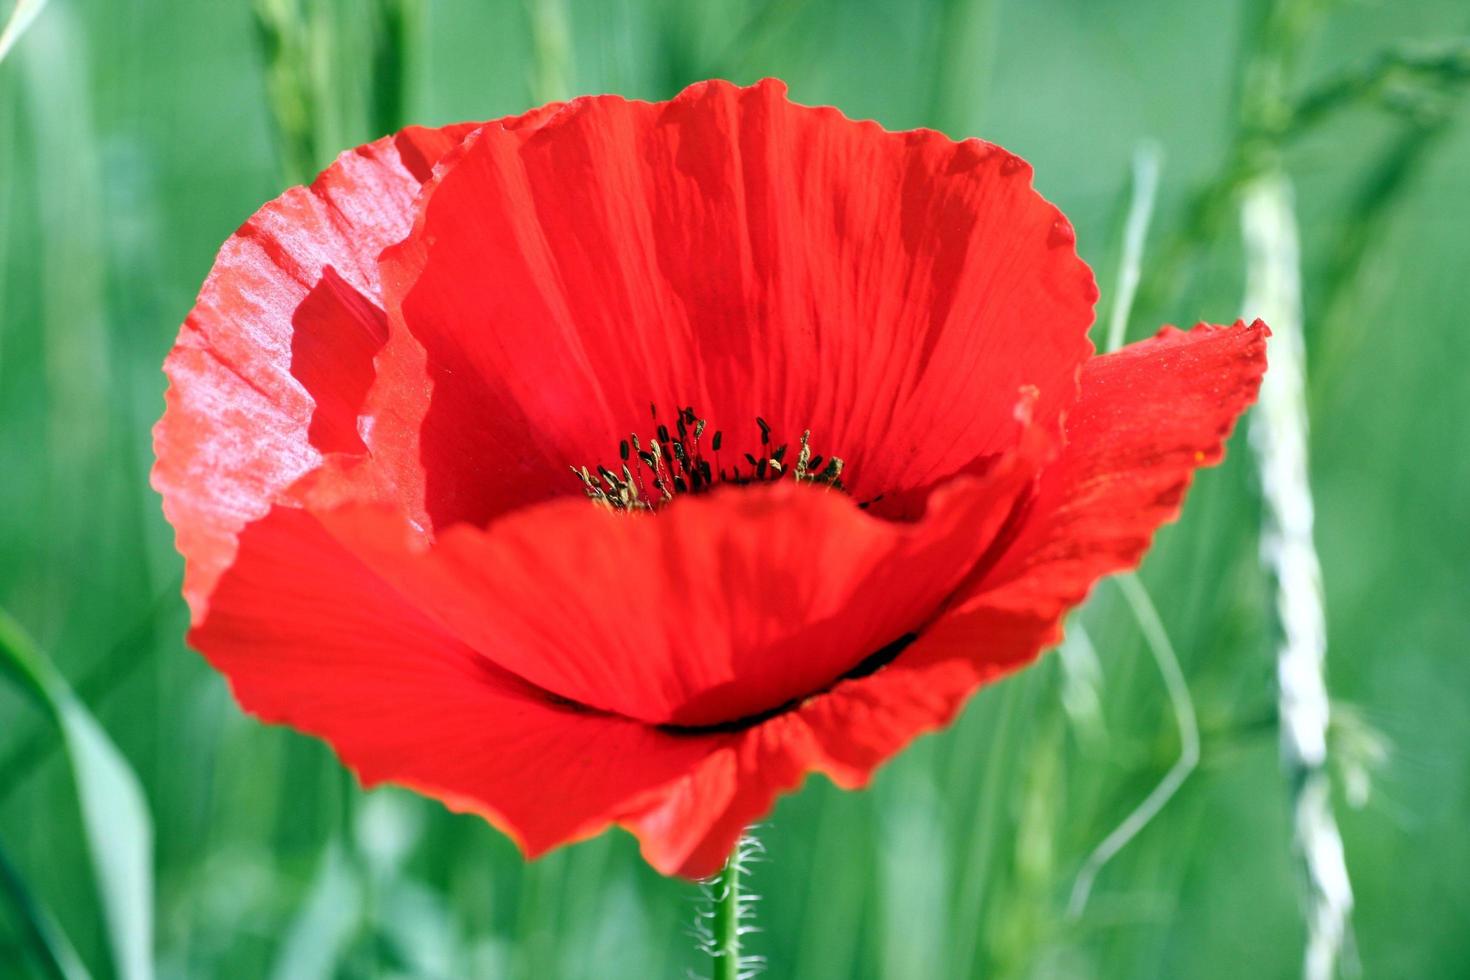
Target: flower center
x=674 y=462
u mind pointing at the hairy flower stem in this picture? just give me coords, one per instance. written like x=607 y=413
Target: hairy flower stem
x=726 y=925
x=728 y=914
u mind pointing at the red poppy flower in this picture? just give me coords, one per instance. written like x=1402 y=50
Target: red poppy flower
x=828 y=388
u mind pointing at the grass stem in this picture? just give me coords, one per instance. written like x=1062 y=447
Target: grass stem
x=1147 y=161
x=1167 y=660
x=1278 y=433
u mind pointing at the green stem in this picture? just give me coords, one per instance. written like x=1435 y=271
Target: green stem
x=726 y=925
x=727 y=916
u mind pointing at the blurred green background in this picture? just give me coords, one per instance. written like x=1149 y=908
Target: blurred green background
x=135 y=135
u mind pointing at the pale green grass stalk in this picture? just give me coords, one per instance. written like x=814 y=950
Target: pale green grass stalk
x=284 y=34
x=978 y=874
x=114 y=812
x=1082 y=678
x=132 y=651
x=1147 y=162
x=964 y=53
x=75 y=359
x=913 y=879
x=1280 y=441
x=329 y=914
x=1167 y=660
x=77 y=344
x=834 y=894
x=1146 y=167
x=551 y=56
x=22 y=15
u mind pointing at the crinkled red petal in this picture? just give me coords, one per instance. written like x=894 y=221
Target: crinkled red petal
x=1147 y=418
x=689 y=828
x=560 y=667
x=310 y=637
x=239 y=420
x=724 y=608
x=749 y=257
x=574 y=641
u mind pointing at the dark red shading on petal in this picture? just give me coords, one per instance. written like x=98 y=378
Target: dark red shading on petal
x=1147 y=418
x=336 y=334
x=394 y=411
x=311 y=638
x=845 y=734
x=722 y=607
x=236 y=426
x=420 y=149
x=735 y=252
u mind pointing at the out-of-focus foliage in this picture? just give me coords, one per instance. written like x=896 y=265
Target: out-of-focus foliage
x=134 y=137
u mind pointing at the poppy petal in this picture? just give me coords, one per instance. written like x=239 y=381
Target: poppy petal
x=238 y=420
x=722 y=608
x=392 y=414
x=1147 y=417
x=844 y=734
x=374 y=404
x=336 y=333
x=749 y=257
x=311 y=638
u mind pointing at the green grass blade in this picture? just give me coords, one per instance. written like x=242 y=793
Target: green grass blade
x=912 y=879
x=1147 y=161
x=121 y=662
x=1182 y=703
x=395 y=28
x=114 y=814
x=323 y=930
x=284 y=36
x=22 y=661
x=551 y=62
x=964 y=56
x=47 y=943
x=20 y=18
x=119 y=835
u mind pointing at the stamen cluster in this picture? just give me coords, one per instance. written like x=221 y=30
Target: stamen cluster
x=678 y=462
